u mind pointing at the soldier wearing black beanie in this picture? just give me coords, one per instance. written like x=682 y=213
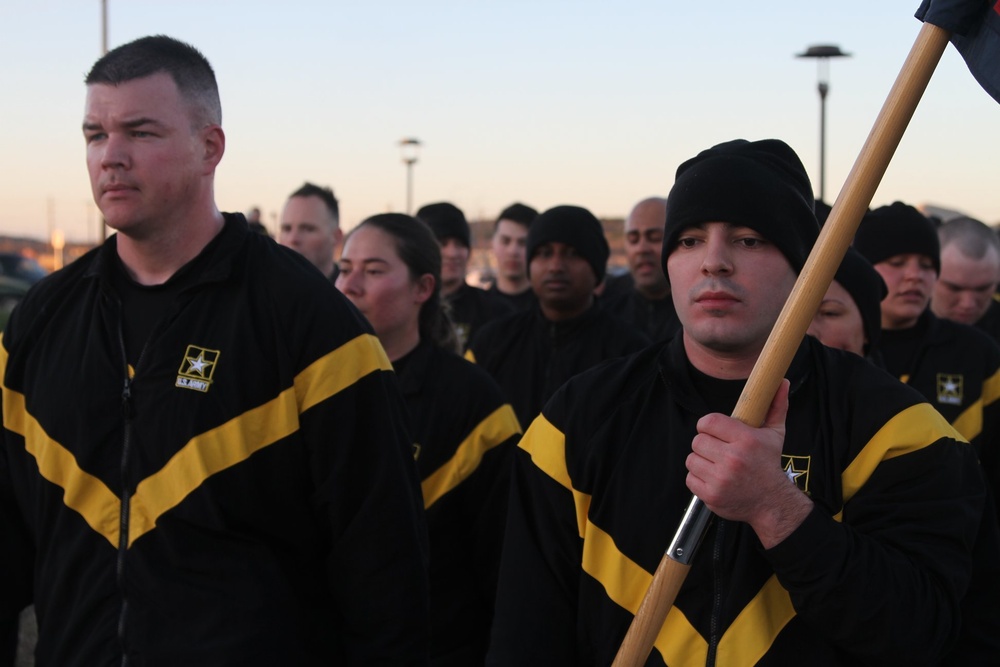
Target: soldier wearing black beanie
x=850 y=490
x=575 y=226
x=469 y=307
x=866 y=287
x=898 y=229
x=446 y=221
x=533 y=352
x=760 y=184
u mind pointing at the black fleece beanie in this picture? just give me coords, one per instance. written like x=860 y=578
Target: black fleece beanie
x=574 y=226
x=866 y=287
x=446 y=221
x=757 y=184
x=897 y=229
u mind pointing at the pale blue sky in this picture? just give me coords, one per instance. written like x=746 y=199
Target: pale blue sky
x=546 y=102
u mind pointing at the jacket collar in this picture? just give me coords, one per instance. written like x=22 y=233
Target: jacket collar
x=675 y=372
x=221 y=250
x=415 y=368
x=565 y=330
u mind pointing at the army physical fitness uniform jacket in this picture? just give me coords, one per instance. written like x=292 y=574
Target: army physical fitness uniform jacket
x=245 y=495
x=873 y=575
x=464 y=434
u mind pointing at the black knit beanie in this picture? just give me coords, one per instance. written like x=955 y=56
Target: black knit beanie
x=446 y=221
x=574 y=226
x=897 y=229
x=757 y=184
x=866 y=287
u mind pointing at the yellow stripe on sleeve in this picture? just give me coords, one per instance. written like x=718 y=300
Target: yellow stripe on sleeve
x=970 y=423
x=991 y=389
x=912 y=429
x=498 y=426
x=339 y=369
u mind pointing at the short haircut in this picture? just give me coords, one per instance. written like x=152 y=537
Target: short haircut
x=519 y=213
x=146 y=56
x=972 y=237
x=326 y=194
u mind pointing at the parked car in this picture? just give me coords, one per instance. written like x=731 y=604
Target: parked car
x=20 y=267
x=11 y=292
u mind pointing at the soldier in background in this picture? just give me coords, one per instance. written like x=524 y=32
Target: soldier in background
x=647 y=304
x=970 y=270
x=470 y=307
x=507 y=245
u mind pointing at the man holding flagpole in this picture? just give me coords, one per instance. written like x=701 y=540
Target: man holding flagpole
x=843 y=524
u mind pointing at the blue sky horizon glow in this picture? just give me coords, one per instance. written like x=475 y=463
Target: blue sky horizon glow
x=551 y=102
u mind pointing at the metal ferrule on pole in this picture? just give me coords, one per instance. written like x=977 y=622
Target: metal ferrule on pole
x=690 y=532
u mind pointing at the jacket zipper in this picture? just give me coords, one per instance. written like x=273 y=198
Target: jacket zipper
x=125 y=494
x=123 y=527
x=126 y=498
x=718 y=576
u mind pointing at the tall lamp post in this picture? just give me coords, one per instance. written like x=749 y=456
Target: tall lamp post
x=410 y=148
x=822 y=53
x=104 y=52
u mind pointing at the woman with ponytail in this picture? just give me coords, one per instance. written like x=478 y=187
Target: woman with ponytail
x=463 y=430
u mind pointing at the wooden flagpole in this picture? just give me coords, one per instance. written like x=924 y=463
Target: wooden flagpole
x=792 y=323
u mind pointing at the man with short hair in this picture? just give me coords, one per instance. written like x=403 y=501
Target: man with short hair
x=310 y=225
x=847 y=512
x=970 y=270
x=647 y=305
x=507 y=245
x=532 y=353
x=204 y=455
x=469 y=307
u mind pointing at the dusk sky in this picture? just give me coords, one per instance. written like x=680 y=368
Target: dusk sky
x=545 y=102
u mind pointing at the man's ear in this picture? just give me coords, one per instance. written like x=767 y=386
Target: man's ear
x=213 y=139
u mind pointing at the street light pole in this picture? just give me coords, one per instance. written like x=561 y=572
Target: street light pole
x=104 y=27
x=822 y=53
x=410 y=148
x=104 y=52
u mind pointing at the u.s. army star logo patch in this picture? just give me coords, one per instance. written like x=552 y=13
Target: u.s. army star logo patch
x=949 y=389
x=797 y=470
x=197 y=368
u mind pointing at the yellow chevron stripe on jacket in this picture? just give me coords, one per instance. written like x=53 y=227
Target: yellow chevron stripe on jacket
x=203 y=456
x=495 y=429
x=751 y=634
x=914 y=428
x=970 y=422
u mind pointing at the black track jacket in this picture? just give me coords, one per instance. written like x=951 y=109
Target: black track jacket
x=873 y=576
x=248 y=497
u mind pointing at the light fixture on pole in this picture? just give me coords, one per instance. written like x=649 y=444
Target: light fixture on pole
x=410 y=148
x=822 y=53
